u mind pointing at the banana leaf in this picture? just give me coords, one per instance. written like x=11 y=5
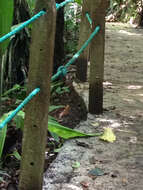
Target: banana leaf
x=2 y=135
x=67 y=133
x=6 y=16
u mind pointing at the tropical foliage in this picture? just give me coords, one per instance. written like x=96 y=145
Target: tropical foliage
x=125 y=10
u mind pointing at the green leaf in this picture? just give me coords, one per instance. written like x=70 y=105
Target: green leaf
x=15 y=87
x=108 y=135
x=6 y=16
x=55 y=136
x=55 y=85
x=19 y=120
x=31 y=4
x=18 y=101
x=50 y=118
x=57 y=150
x=67 y=133
x=59 y=90
x=66 y=89
x=2 y=134
x=76 y=165
x=78 y=1
x=16 y=155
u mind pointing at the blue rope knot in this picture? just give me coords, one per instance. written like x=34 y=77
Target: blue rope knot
x=62 y=70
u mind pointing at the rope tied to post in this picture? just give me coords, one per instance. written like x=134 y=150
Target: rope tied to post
x=25 y=101
x=88 y=18
x=62 y=70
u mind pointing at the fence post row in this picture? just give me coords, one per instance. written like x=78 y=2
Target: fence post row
x=40 y=70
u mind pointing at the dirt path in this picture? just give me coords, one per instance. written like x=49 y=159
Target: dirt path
x=121 y=161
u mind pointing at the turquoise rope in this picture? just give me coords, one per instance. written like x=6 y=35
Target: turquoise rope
x=63 y=70
x=58 y=6
x=26 y=23
x=25 y=101
x=89 y=18
x=83 y=47
x=22 y=26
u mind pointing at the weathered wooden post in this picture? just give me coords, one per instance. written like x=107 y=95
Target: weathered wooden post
x=85 y=30
x=98 y=10
x=36 y=121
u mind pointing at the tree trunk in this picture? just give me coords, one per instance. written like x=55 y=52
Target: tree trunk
x=36 y=121
x=59 y=43
x=98 y=10
x=82 y=61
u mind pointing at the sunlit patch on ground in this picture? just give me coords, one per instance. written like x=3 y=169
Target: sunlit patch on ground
x=134 y=87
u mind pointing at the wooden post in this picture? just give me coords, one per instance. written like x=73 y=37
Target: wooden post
x=36 y=121
x=98 y=10
x=85 y=30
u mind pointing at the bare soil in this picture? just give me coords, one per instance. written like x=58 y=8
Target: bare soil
x=121 y=162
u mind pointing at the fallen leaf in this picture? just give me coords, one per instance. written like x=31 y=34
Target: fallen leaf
x=95 y=124
x=108 y=135
x=57 y=150
x=84 y=184
x=96 y=172
x=124 y=181
x=66 y=132
x=64 y=112
x=76 y=165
